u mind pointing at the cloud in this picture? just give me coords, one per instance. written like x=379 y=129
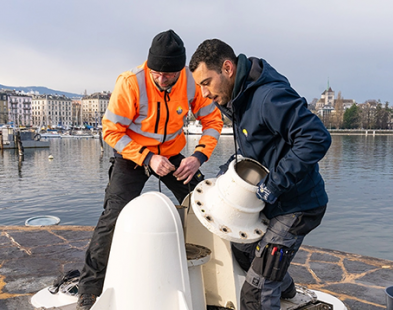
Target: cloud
x=76 y=45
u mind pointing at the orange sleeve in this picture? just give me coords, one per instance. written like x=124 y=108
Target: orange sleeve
x=123 y=108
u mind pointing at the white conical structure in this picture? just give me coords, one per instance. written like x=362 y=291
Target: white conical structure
x=228 y=205
x=147 y=267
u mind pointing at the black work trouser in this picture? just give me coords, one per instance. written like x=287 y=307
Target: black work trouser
x=126 y=181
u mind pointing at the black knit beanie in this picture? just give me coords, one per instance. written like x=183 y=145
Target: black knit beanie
x=167 y=53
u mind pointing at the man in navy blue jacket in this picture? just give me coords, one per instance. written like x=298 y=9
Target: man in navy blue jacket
x=272 y=125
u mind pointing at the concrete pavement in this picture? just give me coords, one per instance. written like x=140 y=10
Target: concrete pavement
x=32 y=257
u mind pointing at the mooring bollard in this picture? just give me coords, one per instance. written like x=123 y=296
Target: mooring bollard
x=19 y=143
x=102 y=144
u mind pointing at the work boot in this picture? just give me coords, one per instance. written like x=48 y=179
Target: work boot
x=85 y=301
x=290 y=292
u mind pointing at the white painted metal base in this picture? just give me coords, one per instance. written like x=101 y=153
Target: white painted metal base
x=228 y=205
x=197 y=256
x=147 y=266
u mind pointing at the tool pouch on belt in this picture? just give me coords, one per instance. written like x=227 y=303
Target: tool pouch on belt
x=275 y=261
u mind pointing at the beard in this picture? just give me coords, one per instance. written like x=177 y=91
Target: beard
x=225 y=90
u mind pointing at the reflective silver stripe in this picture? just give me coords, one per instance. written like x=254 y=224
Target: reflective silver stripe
x=211 y=132
x=205 y=110
x=156 y=136
x=190 y=86
x=143 y=100
x=117 y=119
x=137 y=128
x=122 y=143
x=174 y=135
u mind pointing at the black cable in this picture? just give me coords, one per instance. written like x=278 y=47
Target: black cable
x=189 y=197
x=234 y=136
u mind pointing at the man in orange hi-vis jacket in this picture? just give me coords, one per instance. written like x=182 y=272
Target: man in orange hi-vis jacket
x=144 y=125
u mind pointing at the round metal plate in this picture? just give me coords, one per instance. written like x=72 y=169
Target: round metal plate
x=43 y=220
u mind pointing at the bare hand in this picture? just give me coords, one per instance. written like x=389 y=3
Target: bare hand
x=161 y=165
x=188 y=167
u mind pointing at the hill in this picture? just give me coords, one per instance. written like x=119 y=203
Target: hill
x=41 y=90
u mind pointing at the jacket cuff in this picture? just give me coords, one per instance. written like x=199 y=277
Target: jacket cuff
x=146 y=161
x=201 y=157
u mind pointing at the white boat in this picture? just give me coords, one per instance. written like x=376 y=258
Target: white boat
x=227 y=130
x=195 y=128
x=29 y=139
x=50 y=134
x=77 y=134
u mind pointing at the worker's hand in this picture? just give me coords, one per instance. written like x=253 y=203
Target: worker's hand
x=188 y=167
x=265 y=194
x=161 y=165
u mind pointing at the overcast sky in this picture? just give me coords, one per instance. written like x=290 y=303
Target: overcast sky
x=78 y=45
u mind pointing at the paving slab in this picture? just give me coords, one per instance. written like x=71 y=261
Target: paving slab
x=32 y=257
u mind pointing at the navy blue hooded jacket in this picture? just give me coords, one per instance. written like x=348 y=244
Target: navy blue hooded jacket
x=274 y=126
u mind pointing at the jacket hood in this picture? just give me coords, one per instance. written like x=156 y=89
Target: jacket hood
x=253 y=72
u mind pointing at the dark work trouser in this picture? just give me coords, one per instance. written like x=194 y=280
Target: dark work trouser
x=126 y=182
x=284 y=231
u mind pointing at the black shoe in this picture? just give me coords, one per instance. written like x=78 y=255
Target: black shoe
x=85 y=301
x=290 y=292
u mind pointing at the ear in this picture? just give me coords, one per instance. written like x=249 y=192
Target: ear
x=228 y=68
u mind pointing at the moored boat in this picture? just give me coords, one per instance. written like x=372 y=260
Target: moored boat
x=50 y=133
x=195 y=128
x=77 y=134
x=28 y=138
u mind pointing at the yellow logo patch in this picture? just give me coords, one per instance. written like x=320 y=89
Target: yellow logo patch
x=245 y=132
x=179 y=110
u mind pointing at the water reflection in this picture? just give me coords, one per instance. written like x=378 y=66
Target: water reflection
x=358 y=171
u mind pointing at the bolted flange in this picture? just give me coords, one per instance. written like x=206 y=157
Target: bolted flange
x=228 y=205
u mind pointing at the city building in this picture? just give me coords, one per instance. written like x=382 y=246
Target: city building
x=331 y=109
x=94 y=107
x=52 y=111
x=19 y=108
x=3 y=108
x=77 y=112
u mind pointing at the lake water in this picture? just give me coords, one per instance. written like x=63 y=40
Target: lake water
x=358 y=172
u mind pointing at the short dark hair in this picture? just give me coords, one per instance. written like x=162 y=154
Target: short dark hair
x=213 y=53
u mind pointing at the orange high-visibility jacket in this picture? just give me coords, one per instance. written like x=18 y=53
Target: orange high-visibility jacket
x=141 y=118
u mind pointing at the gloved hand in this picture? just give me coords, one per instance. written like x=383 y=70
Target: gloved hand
x=265 y=194
x=224 y=167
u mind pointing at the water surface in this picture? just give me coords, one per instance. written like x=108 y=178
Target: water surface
x=358 y=171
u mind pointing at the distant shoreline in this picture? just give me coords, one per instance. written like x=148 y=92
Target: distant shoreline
x=366 y=132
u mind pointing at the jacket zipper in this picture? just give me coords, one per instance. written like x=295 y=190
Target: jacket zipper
x=158 y=117
x=167 y=115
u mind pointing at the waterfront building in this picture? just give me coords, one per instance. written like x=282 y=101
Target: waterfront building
x=331 y=109
x=76 y=112
x=327 y=103
x=3 y=108
x=19 y=108
x=94 y=107
x=51 y=111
